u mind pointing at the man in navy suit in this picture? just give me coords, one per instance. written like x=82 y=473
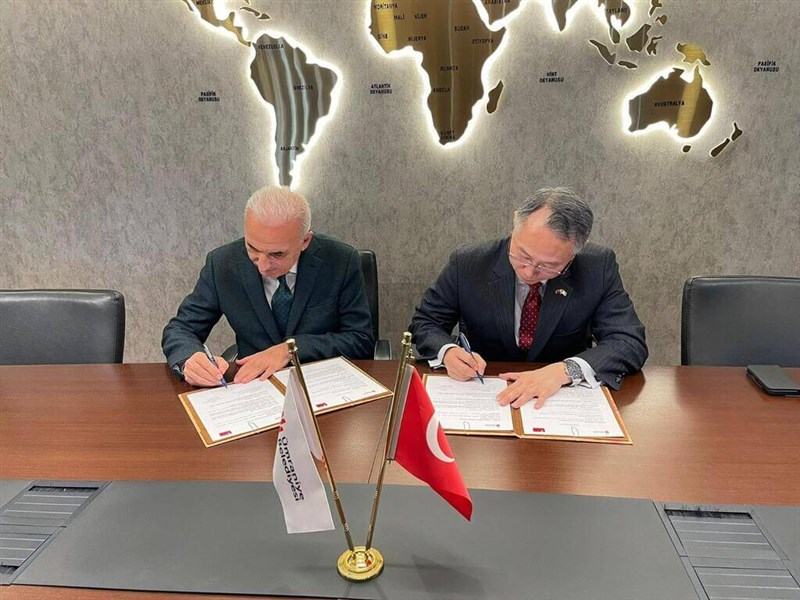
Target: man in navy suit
x=277 y=282
x=539 y=295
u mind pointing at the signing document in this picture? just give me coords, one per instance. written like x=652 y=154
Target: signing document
x=573 y=413
x=231 y=412
x=336 y=382
x=469 y=406
x=223 y=414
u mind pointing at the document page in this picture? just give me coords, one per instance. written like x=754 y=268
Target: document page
x=335 y=382
x=239 y=408
x=469 y=405
x=573 y=412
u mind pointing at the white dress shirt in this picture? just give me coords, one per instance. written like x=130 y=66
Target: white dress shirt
x=271 y=283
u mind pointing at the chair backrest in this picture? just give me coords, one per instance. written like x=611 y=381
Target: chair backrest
x=369 y=269
x=61 y=327
x=737 y=321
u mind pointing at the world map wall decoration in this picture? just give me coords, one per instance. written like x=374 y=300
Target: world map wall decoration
x=457 y=40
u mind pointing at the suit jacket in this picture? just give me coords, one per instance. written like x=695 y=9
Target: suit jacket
x=329 y=315
x=476 y=290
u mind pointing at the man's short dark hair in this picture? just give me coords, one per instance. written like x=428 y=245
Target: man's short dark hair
x=571 y=218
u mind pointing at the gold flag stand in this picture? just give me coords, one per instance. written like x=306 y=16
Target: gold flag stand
x=405 y=357
x=359 y=563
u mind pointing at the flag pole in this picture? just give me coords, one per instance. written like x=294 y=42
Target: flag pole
x=296 y=362
x=365 y=562
x=405 y=357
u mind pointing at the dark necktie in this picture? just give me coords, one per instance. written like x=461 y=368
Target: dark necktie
x=282 y=304
x=529 y=317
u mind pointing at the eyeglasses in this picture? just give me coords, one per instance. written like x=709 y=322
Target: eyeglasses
x=522 y=263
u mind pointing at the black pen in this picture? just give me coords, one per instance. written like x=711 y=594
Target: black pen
x=465 y=345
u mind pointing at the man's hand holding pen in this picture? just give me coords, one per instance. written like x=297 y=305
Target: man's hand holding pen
x=462 y=365
x=200 y=371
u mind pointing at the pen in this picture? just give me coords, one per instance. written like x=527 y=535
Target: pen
x=465 y=345
x=214 y=362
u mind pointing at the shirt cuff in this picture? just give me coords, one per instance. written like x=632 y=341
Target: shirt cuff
x=589 y=379
x=438 y=362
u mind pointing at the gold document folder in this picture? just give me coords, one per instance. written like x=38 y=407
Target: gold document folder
x=522 y=423
x=221 y=415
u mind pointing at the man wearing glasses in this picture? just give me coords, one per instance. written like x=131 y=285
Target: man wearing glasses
x=277 y=282
x=541 y=295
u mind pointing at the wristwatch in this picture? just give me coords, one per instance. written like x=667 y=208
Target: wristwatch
x=573 y=371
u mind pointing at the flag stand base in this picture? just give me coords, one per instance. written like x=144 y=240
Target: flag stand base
x=360 y=564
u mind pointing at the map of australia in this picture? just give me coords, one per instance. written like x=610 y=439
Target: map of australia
x=298 y=90
x=682 y=105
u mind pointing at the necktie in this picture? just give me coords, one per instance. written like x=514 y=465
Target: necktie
x=529 y=317
x=282 y=304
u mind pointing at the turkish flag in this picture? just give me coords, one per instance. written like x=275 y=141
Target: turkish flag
x=422 y=449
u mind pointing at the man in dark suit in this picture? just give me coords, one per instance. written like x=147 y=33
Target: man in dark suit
x=539 y=295
x=277 y=282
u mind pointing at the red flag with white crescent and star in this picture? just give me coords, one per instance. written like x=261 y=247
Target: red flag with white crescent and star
x=422 y=449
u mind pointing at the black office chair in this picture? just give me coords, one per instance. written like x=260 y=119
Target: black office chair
x=61 y=327
x=369 y=270
x=738 y=321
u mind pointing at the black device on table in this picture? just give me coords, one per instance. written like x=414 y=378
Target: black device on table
x=774 y=380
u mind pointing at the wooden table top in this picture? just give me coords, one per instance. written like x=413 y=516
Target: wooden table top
x=700 y=435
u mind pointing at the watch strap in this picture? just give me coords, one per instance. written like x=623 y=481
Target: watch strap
x=573 y=371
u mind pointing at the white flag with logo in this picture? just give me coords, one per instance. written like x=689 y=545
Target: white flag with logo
x=294 y=473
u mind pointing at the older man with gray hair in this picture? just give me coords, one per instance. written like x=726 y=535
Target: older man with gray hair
x=541 y=295
x=279 y=281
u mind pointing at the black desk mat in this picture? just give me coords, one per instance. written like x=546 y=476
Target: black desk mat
x=224 y=537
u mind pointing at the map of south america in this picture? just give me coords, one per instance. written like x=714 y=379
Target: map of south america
x=299 y=91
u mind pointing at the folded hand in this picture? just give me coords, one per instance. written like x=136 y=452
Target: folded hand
x=539 y=384
x=262 y=364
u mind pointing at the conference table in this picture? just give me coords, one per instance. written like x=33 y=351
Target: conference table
x=704 y=435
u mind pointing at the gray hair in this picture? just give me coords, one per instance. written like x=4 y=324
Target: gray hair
x=571 y=218
x=279 y=205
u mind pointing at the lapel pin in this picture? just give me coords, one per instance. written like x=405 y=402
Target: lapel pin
x=561 y=292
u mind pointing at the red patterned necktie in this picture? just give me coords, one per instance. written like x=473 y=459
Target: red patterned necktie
x=529 y=317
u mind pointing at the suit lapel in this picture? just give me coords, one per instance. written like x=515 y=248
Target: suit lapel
x=501 y=291
x=308 y=268
x=254 y=287
x=557 y=295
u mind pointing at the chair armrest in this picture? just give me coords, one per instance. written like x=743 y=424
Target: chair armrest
x=383 y=350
